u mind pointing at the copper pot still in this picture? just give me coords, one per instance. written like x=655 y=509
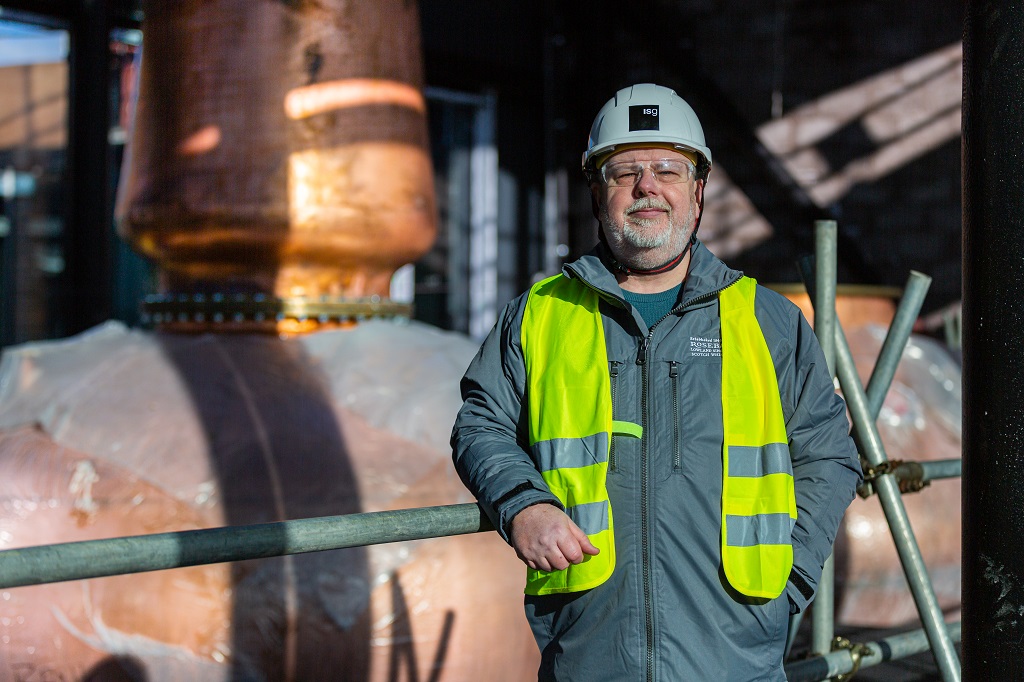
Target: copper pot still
x=278 y=168
x=279 y=156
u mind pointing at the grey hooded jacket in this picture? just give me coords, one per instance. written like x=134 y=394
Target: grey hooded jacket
x=667 y=613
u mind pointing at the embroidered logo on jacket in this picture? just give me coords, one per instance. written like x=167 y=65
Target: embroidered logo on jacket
x=705 y=348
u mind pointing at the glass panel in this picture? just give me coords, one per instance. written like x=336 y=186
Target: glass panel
x=442 y=274
x=456 y=281
x=33 y=146
x=34 y=187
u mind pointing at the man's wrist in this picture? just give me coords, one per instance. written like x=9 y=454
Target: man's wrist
x=519 y=498
x=508 y=523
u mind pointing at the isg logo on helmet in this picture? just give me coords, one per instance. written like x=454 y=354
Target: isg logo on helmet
x=643 y=117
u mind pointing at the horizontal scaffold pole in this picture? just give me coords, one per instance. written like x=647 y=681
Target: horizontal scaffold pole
x=142 y=553
x=936 y=469
x=844 y=661
x=924 y=472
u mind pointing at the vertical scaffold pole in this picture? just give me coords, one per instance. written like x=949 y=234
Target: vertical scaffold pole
x=823 y=614
x=993 y=342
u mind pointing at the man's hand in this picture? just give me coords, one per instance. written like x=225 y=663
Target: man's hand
x=548 y=540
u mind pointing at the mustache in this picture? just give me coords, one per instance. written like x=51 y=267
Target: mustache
x=644 y=203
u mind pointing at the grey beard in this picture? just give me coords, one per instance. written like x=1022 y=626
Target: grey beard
x=633 y=245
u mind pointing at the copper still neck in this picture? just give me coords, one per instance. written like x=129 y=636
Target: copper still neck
x=279 y=168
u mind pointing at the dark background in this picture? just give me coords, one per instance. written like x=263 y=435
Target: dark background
x=550 y=66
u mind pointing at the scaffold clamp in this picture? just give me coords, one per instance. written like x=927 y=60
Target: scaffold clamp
x=857 y=653
x=909 y=475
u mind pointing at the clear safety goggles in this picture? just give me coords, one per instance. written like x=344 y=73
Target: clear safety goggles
x=664 y=171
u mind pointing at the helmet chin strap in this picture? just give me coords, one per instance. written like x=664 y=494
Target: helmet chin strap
x=658 y=269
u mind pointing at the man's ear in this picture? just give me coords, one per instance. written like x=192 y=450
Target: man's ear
x=698 y=197
x=595 y=199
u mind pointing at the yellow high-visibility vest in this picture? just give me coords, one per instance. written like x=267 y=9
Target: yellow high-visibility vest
x=758 y=498
x=569 y=395
x=570 y=430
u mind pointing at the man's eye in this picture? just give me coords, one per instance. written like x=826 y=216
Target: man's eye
x=625 y=175
x=668 y=174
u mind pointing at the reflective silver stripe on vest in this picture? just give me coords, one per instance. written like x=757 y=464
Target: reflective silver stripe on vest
x=747 y=461
x=592 y=518
x=763 y=529
x=571 y=453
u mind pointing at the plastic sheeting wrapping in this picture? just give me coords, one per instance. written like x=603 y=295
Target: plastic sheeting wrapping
x=919 y=421
x=119 y=432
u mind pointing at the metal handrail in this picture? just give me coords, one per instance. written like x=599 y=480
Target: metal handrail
x=936 y=469
x=142 y=553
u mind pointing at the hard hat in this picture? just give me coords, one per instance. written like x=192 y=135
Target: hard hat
x=646 y=114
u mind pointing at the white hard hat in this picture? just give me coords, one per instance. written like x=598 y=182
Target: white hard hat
x=646 y=114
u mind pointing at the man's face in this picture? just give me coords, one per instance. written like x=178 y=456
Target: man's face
x=648 y=223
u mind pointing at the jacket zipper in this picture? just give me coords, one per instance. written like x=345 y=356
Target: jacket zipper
x=673 y=373
x=614 y=372
x=642 y=360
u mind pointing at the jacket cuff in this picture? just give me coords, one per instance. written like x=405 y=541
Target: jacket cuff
x=804 y=577
x=799 y=591
x=516 y=500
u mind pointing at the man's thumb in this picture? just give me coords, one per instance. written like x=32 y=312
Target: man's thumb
x=585 y=544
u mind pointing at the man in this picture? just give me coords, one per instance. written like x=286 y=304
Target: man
x=656 y=436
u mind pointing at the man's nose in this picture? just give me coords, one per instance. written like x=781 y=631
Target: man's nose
x=646 y=184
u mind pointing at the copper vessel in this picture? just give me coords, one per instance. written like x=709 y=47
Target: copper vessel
x=278 y=175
